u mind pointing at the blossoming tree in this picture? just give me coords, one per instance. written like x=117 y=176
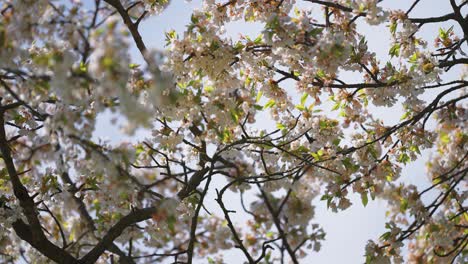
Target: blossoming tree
x=68 y=198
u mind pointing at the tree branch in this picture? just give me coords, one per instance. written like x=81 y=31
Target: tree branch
x=132 y=27
x=443 y=18
x=115 y=231
x=31 y=233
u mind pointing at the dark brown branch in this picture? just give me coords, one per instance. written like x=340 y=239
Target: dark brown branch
x=115 y=231
x=331 y=4
x=462 y=21
x=193 y=227
x=33 y=233
x=453 y=62
x=443 y=18
x=230 y=225
x=192 y=184
x=132 y=27
x=45 y=246
x=18 y=99
x=277 y=223
x=412 y=7
x=57 y=222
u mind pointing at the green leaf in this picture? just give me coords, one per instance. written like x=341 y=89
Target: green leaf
x=364 y=199
x=269 y=234
x=208 y=88
x=320 y=152
x=234 y=116
x=317 y=155
x=300 y=107
x=321 y=73
x=258 y=40
x=258 y=107
x=385 y=236
x=347 y=163
x=444 y=138
x=362 y=7
x=393 y=27
x=415 y=148
x=315 y=31
x=239 y=46
x=414 y=58
x=139 y=149
x=296 y=11
x=302 y=149
x=83 y=67
x=170 y=35
x=214 y=45
x=328 y=198
x=372 y=151
x=226 y=135
x=323 y=124
x=336 y=106
x=269 y=104
x=248 y=81
x=444 y=34
x=273 y=23
x=304 y=98
x=405 y=115
x=194 y=19
x=336 y=141
x=404 y=158
x=395 y=50
x=389 y=177
x=259 y=96
x=281 y=126
x=436 y=181
x=362 y=41
x=403 y=205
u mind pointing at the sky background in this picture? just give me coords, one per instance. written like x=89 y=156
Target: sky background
x=349 y=230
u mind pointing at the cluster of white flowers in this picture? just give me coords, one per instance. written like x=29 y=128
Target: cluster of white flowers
x=374 y=13
x=156 y=6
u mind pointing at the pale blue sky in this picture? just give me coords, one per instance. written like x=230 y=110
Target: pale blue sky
x=348 y=231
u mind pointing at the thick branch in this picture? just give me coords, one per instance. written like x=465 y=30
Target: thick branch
x=115 y=231
x=433 y=19
x=132 y=27
x=462 y=21
x=124 y=259
x=31 y=233
x=453 y=62
x=45 y=247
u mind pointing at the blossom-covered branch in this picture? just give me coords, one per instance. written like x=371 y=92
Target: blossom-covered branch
x=270 y=124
